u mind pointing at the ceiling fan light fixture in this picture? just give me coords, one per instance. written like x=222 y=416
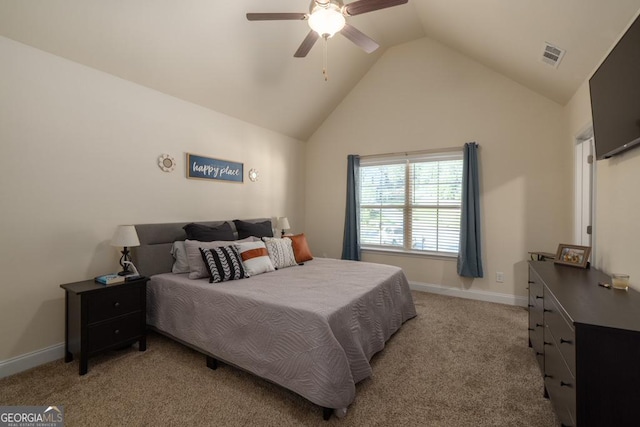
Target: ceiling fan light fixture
x=326 y=20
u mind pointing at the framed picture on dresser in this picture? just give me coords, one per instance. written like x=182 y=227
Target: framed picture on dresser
x=577 y=256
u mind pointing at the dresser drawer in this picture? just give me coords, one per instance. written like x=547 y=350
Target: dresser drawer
x=114 y=332
x=562 y=332
x=114 y=302
x=535 y=285
x=536 y=328
x=536 y=301
x=536 y=338
x=536 y=319
x=560 y=383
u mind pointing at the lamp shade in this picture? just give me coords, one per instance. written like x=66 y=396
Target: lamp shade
x=125 y=236
x=326 y=20
x=283 y=223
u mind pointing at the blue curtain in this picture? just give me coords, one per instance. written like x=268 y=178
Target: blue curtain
x=470 y=255
x=351 y=241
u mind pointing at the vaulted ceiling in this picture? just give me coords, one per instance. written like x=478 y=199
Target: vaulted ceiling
x=206 y=52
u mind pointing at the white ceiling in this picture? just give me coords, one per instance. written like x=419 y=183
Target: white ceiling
x=206 y=52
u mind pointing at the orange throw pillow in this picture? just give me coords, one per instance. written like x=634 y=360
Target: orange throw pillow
x=300 y=248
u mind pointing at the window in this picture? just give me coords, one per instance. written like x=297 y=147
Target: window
x=411 y=204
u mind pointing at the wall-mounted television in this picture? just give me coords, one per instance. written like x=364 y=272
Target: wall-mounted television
x=615 y=97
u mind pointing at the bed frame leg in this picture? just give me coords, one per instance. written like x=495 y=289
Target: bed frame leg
x=326 y=413
x=212 y=363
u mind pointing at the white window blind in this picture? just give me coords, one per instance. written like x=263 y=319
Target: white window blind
x=411 y=203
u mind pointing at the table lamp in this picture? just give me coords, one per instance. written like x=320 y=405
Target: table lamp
x=126 y=237
x=283 y=224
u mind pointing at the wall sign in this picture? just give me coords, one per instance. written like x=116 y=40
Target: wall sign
x=201 y=167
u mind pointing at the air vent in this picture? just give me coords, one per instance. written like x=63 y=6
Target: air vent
x=552 y=55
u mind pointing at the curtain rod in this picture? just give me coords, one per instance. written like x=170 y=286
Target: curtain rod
x=411 y=153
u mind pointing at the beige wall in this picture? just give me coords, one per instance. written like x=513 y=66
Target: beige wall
x=79 y=156
x=617 y=202
x=422 y=95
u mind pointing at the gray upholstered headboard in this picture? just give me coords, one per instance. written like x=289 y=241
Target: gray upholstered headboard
x=153 y=256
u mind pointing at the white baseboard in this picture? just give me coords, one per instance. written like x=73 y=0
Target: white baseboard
x=471 y=294
x=31 y=360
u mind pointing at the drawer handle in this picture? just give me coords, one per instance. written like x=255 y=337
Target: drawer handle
x=117 y=331
x=563 y=384
x=530 y=305
x=538 y=353
x=531 y=281
x=539 y=325
x=546 y=310
x=548 y=376
x=116 y=305
x=539 y=297
x=532 y=329
x=563 y=341
x=548 y=343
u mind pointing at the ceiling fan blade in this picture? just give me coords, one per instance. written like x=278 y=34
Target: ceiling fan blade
x=364 y=6
x=359 y=38
x=275 y=16
x=306 y=45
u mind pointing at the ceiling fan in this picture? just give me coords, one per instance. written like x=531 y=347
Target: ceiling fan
x=327 y=17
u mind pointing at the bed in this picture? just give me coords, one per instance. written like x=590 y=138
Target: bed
x=311 y=328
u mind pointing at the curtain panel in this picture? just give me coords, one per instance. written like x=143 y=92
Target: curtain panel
x=351 y=240
x=470 y=254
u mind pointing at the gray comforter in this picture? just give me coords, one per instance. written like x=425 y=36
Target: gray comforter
x=311 y=328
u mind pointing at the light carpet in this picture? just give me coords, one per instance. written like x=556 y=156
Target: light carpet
x=458 y=363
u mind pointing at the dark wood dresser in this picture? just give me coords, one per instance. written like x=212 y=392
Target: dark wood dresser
x=103 y=317
x=587 y=343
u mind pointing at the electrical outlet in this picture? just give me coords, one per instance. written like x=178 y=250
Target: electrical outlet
x=500 y=277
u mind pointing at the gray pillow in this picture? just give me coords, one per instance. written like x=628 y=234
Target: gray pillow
x=197 y=267
x=257 y=229
x=207 y=233
x=180 y=263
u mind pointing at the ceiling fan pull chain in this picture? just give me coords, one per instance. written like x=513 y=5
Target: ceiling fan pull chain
x=324 y=59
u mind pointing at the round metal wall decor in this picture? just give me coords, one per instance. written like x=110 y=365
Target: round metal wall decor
x=166 y=163
x=253 y=175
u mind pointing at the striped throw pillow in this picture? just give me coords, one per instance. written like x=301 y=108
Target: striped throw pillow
x=223 y=264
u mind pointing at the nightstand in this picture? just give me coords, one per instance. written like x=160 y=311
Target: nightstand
x=103 y=317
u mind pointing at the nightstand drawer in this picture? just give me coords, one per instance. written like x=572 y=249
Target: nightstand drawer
x=114 y=302
x=114 y=332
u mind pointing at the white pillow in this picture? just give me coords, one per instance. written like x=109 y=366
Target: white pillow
x=280 y=252
x=255 y=257
x=180 y=265
x=197 y=268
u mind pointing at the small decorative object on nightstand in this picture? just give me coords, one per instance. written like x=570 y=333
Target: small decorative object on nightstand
x=283 y=224
x=104 y=317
